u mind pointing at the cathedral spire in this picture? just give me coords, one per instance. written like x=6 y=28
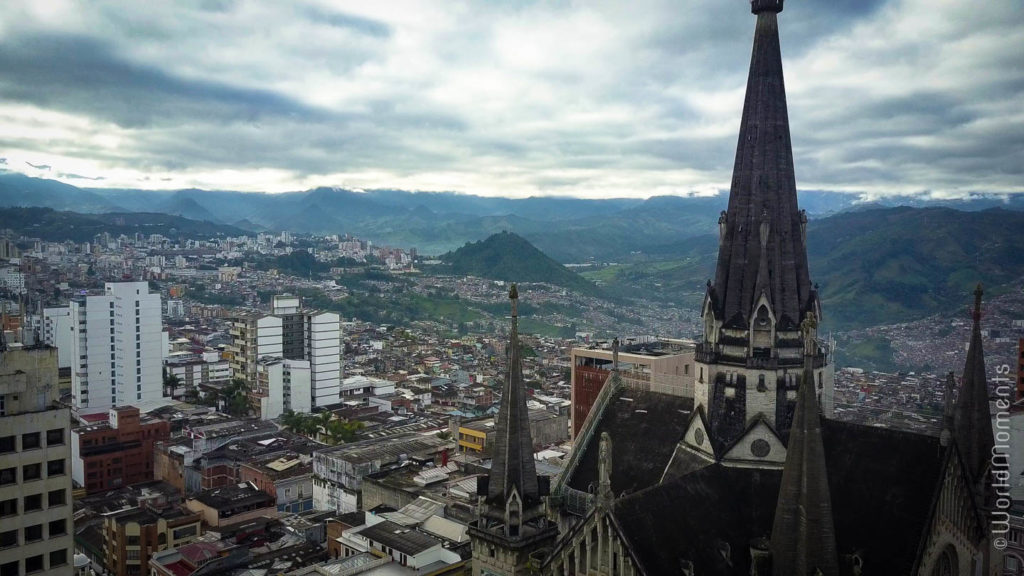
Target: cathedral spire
x=803 y=534
x=513 y=468
x=763 y=190
x=972 y=418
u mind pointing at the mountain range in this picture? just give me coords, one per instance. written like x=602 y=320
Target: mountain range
x=567 y=229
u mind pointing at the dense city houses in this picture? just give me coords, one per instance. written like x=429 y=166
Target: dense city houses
x=249 y=406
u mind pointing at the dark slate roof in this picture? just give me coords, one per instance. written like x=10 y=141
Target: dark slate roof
x=972 y=419
x=645 y=428
x=763 y=188
x=513 y=448
x=882 y=483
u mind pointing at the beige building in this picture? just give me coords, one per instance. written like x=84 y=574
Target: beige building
x=660 y=365
x=35 y=472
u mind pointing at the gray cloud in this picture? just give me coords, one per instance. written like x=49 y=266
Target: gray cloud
x=605 y=98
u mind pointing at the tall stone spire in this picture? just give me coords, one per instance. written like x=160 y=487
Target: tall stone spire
x=763 y=191
x=513 y=466
x=803 y=534
x=972 y=418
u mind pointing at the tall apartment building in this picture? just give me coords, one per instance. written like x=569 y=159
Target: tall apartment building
x=35 y=480
x=291 y=333
x=253 y=336
x=118 y=348
x=658 y=365
x=323 y=349
x=132 y=536
x=59 y=332
x=281 y=384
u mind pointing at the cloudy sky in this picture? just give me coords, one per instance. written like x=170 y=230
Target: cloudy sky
x=516 y=98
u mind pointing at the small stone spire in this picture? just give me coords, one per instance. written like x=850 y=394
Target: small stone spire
x=803 y=535
x=972 y=418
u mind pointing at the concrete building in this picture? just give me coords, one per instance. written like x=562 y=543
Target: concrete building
x=253 y=336
x=323 y=347
x=281 y=385
x=118 y=348
x=35 y=484
x=196 y=370
x=118 y=452
x=131 y=537
x=289 y=479
x=339 y=471
x=12 y=280
x=546 y=428
x=228 y=505
x=660 y=365
x=59 y=332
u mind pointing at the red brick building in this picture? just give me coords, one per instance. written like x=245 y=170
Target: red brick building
x=117 y=452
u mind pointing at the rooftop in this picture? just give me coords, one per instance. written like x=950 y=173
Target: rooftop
x=405 y=540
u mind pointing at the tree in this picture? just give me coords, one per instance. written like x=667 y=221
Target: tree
x=171 y=383
x=340 y=431
x=444 y=434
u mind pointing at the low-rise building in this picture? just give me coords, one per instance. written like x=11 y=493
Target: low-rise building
x=131 y=536
x=232 y=504
x=116 y=452
x=546 y=428
x=288 y=478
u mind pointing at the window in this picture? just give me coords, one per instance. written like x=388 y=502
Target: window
x=56 y=498
x=31 y=472
x=9 y=507
x=132 y=541
x=30 y=441
x=7 y=444
x=9 y=569
x=8 y=539
x=55 y=468
x=184 y=532
x=33 y=533
x=55 y=437
x=33 y=564
x=58 y=528
x=32 y=502
x=58 y=558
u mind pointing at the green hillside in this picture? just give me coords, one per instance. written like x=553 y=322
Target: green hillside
x=51 y=225
x=876 y=266
x=507 y=256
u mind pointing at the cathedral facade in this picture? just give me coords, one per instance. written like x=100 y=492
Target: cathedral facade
x=751 y=476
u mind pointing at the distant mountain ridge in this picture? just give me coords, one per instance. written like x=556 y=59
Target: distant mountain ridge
x=437 y=222
x=507 y=256
x=59 y=226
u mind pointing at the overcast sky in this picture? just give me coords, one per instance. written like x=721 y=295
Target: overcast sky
x=588 y=98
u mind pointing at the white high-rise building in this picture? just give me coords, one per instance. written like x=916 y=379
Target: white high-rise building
x=282 y=384
x=59 y=332
x=118 y=355
x=323 y=350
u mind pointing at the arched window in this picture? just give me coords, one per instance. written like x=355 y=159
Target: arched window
x=947 y=563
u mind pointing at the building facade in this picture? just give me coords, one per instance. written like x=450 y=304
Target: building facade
x=253 y=336
x=118 y=452
x=281 y=384
x=660 y=365
x=131 y=537
x=36 y=525
x=118 y=348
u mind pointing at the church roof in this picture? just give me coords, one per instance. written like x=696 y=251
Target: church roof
x=645 y=427
x=880 y=505
x=763 y=192
x=513 y=464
